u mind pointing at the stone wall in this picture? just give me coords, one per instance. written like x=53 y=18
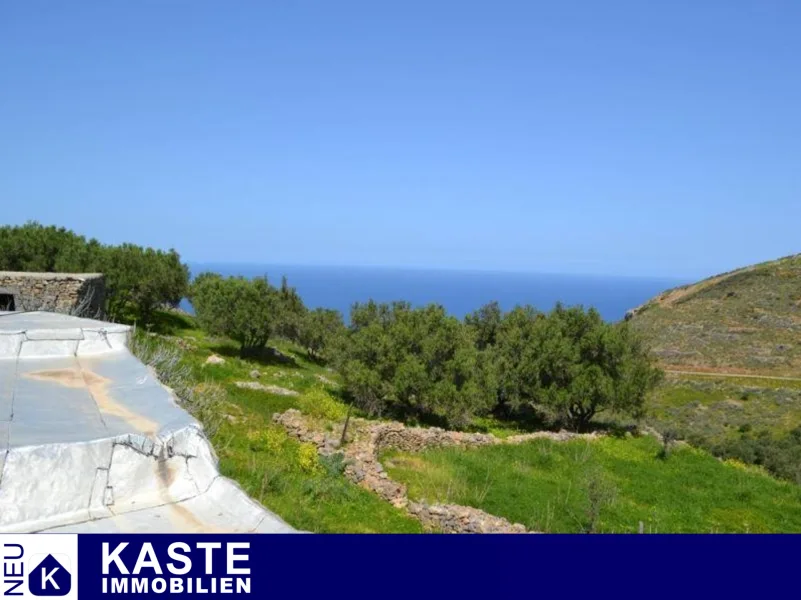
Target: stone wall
x=366 y=441
x=454 y=518
x=80 y=294
x=396 y=436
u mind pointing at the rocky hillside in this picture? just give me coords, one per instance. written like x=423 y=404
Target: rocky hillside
x=745 y=321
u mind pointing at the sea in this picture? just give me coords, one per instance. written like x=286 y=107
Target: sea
x=460 y=292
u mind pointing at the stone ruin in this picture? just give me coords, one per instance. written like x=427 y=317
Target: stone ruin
x=78 y=294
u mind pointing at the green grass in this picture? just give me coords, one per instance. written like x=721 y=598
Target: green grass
x=271 y=467
x=545 y=485
x=267 y=464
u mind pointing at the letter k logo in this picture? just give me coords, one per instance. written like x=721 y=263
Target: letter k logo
x=49 y=578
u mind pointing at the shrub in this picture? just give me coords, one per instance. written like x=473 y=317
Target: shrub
x=268 y=440
x=334 y=464
x=319 y=403
x=307 y=459
x=328 y=488
x=600 y=493
x=35 y=247
x=669 y=437
x=778 y=454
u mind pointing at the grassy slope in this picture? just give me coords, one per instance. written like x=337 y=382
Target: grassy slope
x=714 y=408
x=544 y=486
x=539 y=484
x=746 y=321
x=263 y=459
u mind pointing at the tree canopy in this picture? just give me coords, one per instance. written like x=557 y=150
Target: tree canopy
x=420 y=363
x=245 y=310
x=573 y=363
x=320 y=331
x=414 y=363
x=138 y=280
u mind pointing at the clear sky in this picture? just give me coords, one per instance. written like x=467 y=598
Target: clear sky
x=616 y=137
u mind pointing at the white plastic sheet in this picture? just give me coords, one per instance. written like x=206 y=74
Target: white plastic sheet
x=90 y=441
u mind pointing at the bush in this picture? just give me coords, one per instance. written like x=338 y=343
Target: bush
x=307 y=459
x=333 y=464
x=780 y=455
x=319 y=403
x=669 y=438
x=600 y=493
x=268 y=440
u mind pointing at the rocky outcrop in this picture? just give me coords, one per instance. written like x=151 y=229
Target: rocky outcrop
x=366 y=441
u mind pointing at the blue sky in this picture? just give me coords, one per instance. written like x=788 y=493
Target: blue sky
x=616 y=137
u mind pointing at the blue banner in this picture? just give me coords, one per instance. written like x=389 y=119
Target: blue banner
x=375 y=566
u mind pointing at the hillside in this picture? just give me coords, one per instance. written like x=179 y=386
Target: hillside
x=747 y=321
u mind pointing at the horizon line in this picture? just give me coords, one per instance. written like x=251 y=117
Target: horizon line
x=474 y=270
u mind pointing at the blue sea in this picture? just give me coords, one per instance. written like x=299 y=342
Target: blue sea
x=460 y=292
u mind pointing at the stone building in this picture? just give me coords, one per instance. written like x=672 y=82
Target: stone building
x=80 y=294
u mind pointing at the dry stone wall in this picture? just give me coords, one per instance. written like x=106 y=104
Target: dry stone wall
x=453 y=518
x=82 y=294
x=367 y=439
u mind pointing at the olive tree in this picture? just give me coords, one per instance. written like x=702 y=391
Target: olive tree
x=291 y=312
x=574 y=363
x=140 y=280
x=319 y=331
x=245 y=310
x=35 y=247
x=414 y=363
